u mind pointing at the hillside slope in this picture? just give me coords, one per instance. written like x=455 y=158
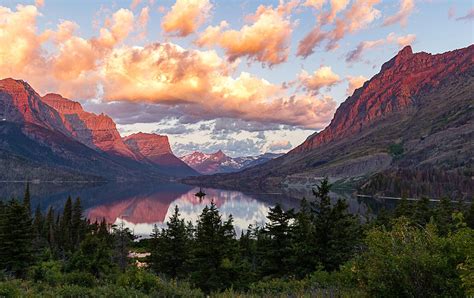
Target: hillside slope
x=408 y=131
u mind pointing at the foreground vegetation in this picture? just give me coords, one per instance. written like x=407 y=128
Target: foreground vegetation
x=420 y=250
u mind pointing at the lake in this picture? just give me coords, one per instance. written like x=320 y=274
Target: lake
x=142 y=205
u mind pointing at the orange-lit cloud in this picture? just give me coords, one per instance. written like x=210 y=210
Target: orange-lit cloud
x=406 y=8
x=357 y=17
x=317 y=4
x=186 y=16
x=199 y=83
x=39 y=3
x=265 y=40
x=20 y=54
x=336 y=7
x=354 y=83
x=279 y=146
x=134 y=4
x=401 y=41
x=320 y=78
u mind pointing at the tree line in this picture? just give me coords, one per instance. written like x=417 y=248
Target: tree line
x=419 y=249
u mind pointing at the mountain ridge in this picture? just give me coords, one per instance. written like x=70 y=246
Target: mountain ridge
x=53 y=138
x=219 y=162
x=414 y=117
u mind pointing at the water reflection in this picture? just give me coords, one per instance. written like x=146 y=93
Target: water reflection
x=141 y=213
x=142 y=205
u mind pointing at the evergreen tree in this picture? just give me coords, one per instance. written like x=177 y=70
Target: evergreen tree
x=50 y=229
x=470 y=216
x=303 y=261
x=422 y=212
x=278 y=245
x=16 y=239
x=336 y=231
x=27 y=197
x=65 y=228
x=214 y=250
x=443 y=216
x=172 y=251
x=404 y=208
x=103 y=231
x=77 y=224
x=123 y=237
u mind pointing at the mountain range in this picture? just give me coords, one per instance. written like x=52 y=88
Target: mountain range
x=219 y=162
x=53 y=138
x=408 y=131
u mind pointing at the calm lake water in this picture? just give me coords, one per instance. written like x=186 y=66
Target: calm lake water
x=142 y=205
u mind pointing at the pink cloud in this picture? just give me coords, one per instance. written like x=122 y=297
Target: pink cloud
x=266 y=39
x=401 y=41
x=406 y=8
x=186 y=16
x=469 y=16
x=320 y=78
x=354 y=83
x=357 y=17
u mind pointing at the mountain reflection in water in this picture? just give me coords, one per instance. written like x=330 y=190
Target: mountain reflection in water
x=142 y=205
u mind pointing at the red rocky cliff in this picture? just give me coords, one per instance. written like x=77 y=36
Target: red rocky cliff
x=395 y=88
x=96 y=131
x=19 y=103
x=156 y=150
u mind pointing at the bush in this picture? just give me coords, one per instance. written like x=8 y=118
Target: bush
x=78 y=278
x=11 y=289
x=67 y=291
x=279 y=286
x=115 y=291
x=413 y=262
x=49 y=272
x=174 y=288
x=396 y=149
x=139 y=279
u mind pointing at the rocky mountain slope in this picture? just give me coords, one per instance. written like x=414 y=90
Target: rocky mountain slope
x=155 y=149
x=53 y=138
x=219 y=162
x=95 y=131
x=409 y=130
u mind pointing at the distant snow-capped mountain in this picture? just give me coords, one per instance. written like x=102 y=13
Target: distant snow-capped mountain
x=219 y=162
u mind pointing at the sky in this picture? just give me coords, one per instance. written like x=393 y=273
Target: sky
x=247 y=77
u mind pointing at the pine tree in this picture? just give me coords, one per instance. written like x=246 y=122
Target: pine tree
x=422 y=212
x=470 y=216
x=172 y=252
x=122 y=239
x=16 y=238
x=443 y=216
x=214 y=250
x=278 y=244
x=404 y=208
x=303 y=261
x=336 y=231
x=77 y=224
x=65 y=226
x=27 y=197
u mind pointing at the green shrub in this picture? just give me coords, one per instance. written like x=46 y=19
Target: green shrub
x=11 y=289
x=83 y=279
x=72 y=291
x=396 y=149
x=410 y=261
x=116 y=291
x=49 y=272
x=174 y=288
x=138 y=279
x=279 y=286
